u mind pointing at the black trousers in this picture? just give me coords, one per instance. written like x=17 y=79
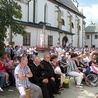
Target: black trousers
x=46 y=90
x=55 y=84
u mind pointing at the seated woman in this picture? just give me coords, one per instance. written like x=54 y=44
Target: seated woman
x=60 y=76
x=83 y=68
x=80 y=63
x=10 y=70
x=3 y=71
x=73 y=70
x=93 y=67
x=15 y=61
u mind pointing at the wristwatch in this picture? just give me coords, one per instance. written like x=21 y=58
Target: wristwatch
x=26 y=76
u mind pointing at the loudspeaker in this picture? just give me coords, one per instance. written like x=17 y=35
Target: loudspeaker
x=93 y=46
x=86 y=46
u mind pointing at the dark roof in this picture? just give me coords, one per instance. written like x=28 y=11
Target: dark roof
x=69 y=4
x=37 y=25
x=92 y=28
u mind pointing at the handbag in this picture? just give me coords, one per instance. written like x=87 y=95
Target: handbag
x=66 y=83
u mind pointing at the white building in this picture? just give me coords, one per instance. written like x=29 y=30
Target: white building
x=48 y=21
x=92 y=35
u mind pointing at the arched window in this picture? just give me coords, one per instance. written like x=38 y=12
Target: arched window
x=45 y=13
x=72 y=25
x=63 y=22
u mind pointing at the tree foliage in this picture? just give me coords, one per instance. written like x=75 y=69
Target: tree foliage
x=10 y=11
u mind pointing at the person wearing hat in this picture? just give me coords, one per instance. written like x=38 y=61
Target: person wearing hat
x=72 y=70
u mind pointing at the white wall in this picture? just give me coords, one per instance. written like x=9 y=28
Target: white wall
x=24 y=8
x=52 y=19
x=88 y=41
x=35 y=33
x=31 y=11
x=94 y=41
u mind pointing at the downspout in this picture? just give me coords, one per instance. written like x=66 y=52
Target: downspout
x=91 y=39
x=34 y=5
x=82 y=32
x=28 y=10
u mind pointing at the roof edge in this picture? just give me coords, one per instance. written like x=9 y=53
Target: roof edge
x=64 y=6
x=37 y=25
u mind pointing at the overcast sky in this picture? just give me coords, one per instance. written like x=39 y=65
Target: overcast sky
x=90 y=10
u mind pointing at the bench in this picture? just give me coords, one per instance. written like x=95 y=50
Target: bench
x=28 y=93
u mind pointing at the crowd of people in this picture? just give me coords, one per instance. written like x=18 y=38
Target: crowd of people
x=24 y=68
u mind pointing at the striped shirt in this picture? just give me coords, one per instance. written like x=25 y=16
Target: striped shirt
x=19 y=70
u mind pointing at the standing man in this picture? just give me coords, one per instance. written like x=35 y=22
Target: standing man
x=22 y=73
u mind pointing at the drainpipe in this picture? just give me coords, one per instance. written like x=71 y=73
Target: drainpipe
x=82 y=32
x=91 y=40
x=28 y=10
x=34 y=5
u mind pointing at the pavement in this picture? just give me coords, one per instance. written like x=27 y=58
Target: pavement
x=71 y=92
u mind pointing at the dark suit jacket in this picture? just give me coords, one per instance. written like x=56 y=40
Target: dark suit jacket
x=48 y=70
x=36 y=71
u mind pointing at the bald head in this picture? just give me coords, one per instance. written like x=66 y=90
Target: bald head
x=47 y=57
x=37 y=61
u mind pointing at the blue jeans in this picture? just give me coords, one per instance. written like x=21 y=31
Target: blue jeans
x=2 y=79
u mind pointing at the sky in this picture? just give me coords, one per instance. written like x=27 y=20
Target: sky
x=90 y=10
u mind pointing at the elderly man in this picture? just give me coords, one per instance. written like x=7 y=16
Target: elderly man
x=22 y=73
x=38 y=78
x=48 y=72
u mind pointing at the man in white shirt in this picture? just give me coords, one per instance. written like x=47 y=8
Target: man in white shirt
x=22 y=73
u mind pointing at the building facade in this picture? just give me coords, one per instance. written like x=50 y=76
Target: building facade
x=92 y=35
x=48 y=21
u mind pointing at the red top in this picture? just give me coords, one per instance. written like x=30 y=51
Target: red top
x=2 y=67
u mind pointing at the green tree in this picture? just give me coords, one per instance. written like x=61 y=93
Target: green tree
x=10 y=12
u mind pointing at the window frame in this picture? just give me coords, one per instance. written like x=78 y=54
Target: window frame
x=87 y=36
x=50 y=40
x=72 y=24
x=63 y=22
x=27 y=39
x=96 y=36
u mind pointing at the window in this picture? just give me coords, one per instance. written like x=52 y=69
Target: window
x=84 y=22
x=63 y=22
x=50 y=40
x=79 y=27
x=96 y=36
x=26 y=39
x=87 y=36
x=72 y=25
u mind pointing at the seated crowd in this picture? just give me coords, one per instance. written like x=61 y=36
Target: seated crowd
x=46 y=76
